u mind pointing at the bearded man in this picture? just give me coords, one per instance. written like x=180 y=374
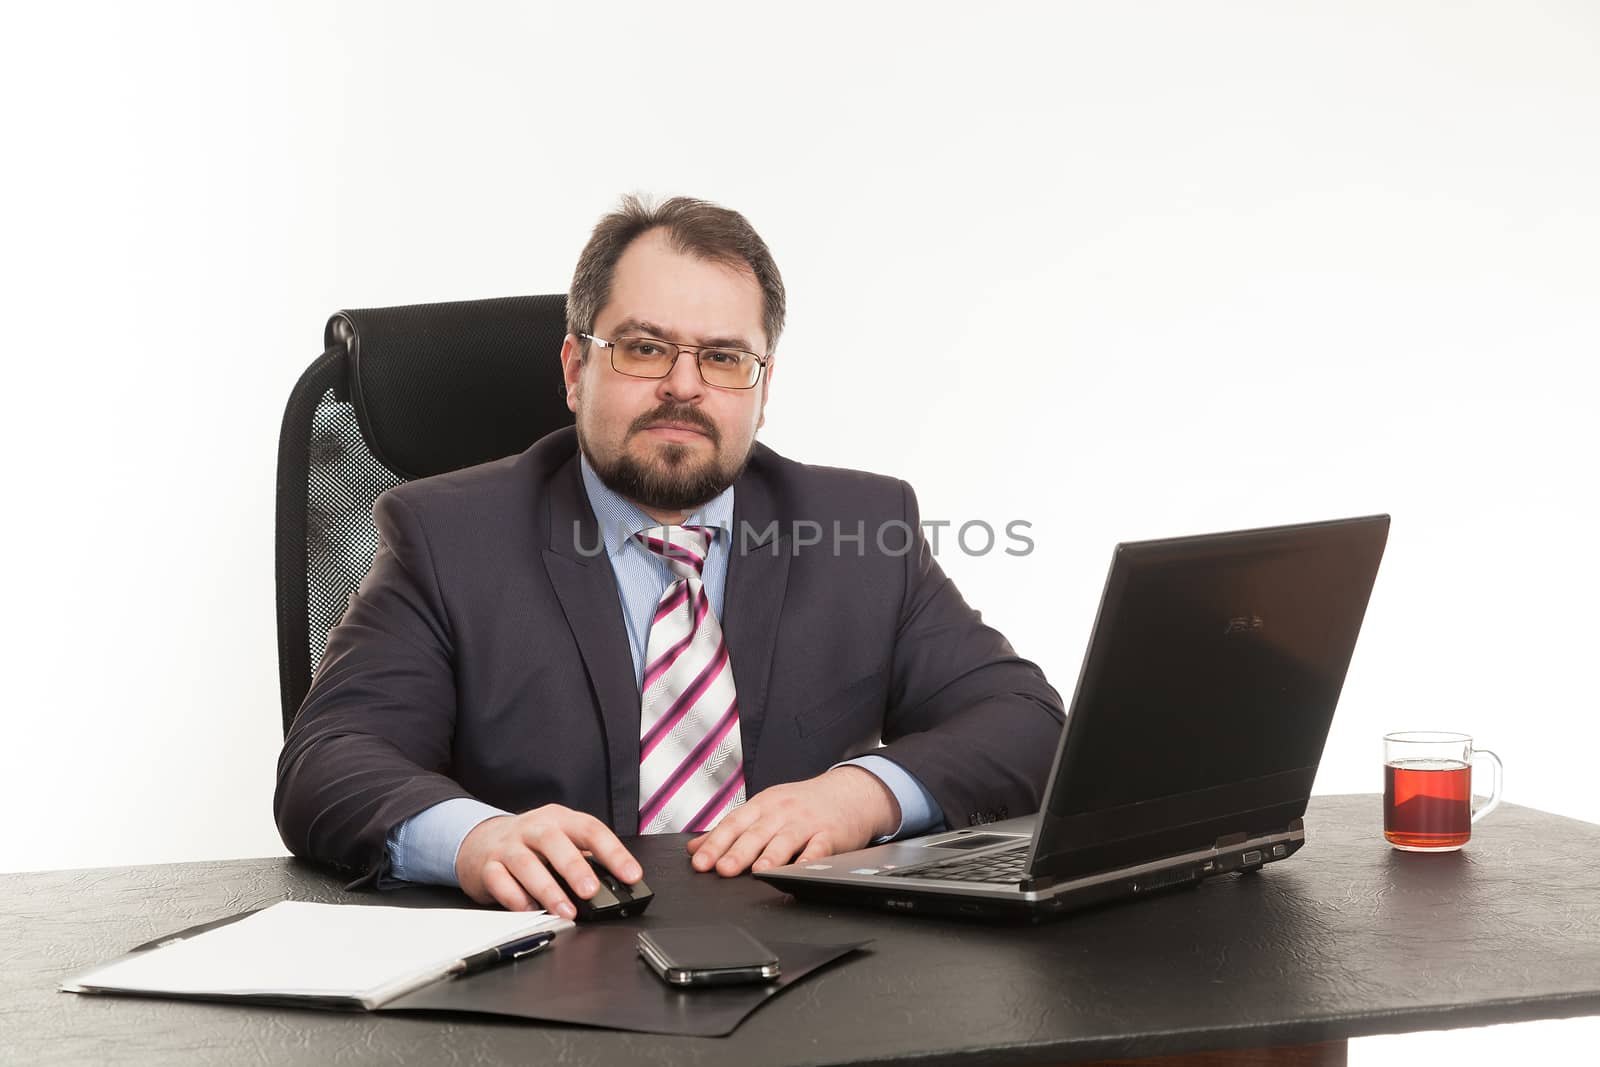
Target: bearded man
x=652 y=623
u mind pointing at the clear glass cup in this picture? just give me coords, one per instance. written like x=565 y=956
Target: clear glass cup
x=1427 y=789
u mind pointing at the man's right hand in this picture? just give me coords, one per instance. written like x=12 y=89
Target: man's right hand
x=503 y=859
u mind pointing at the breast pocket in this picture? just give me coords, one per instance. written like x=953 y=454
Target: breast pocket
x=858 y=698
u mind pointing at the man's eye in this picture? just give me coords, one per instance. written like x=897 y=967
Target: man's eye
x=713 y=355
x=647 y=348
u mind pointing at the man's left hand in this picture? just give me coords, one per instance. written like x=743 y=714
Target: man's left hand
x=838 y=811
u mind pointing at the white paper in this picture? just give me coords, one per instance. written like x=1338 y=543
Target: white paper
x=328 y=950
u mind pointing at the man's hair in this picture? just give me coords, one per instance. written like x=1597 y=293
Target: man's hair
x=694 y=227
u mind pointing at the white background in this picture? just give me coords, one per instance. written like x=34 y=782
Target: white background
x=1119 y=270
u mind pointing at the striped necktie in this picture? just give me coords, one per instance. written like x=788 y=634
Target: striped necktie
x=691 y=760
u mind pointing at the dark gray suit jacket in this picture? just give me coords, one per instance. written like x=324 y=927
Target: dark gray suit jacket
x=485 y=655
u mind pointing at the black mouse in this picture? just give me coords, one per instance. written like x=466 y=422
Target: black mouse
x=615 y=898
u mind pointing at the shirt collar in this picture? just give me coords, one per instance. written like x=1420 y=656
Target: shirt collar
x=620 y=518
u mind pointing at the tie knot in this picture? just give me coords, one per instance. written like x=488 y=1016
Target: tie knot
x=683 y=547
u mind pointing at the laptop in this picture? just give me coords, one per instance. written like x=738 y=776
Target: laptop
x=1190 y=745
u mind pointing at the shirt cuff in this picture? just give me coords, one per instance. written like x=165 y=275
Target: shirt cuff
x=423 y=848
x=919 y=812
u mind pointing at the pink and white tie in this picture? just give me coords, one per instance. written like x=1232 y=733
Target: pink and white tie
x=691 y=760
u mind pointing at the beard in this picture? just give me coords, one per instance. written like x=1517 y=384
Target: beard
x=672 y=479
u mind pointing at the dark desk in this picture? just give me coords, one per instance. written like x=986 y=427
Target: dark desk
x=1346 y=939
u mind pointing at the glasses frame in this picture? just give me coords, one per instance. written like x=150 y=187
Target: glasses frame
x=678 y=350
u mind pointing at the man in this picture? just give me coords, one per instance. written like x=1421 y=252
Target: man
x=651 y=623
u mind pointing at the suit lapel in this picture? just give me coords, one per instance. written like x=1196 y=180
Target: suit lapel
x=583 y=580
x=758 y=574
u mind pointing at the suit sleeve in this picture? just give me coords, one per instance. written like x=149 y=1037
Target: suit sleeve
x=371 y=744
x=972 y=721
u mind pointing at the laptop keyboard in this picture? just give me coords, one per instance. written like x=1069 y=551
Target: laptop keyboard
x=1004 y=866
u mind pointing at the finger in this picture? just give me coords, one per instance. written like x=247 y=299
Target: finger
x=546 y=837
x=504 y=888
x=746 y=848
x=724 y=834
x=590 y=833
x=779 y=851
x=530 y=870
x=562 y=856
x=819 y=847
x=694 y=843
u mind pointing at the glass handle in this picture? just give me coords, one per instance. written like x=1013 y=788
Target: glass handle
x=1494 y=795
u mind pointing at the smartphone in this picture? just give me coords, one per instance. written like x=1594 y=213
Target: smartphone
x=707 y=955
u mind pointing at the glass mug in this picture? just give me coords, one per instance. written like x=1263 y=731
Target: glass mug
x=1427 y=790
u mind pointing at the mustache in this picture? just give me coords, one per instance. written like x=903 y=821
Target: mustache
x=681 y=413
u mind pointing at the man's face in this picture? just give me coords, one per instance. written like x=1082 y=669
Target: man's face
x=668 y=444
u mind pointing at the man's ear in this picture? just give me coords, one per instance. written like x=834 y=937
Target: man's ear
x=571 y=368
x=766 y=380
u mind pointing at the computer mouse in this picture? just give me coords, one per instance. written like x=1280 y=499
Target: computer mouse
x=615 y=899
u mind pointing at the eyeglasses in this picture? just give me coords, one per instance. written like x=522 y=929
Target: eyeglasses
x=647 y=357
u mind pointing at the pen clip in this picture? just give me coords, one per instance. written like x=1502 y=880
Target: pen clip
x=518 y=953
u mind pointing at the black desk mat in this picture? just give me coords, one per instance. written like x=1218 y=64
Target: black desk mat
x=593 y=976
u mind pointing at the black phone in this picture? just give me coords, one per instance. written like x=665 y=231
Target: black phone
x=707 y=955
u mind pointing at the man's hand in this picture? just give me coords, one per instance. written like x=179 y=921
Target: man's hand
x=838 y=811
x=504 y=859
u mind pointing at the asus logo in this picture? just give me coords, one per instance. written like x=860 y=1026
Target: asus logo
x=1244 y=624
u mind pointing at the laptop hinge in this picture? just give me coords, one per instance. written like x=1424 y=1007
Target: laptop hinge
x=1229 y=840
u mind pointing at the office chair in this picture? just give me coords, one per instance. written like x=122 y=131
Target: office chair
x=398 y=393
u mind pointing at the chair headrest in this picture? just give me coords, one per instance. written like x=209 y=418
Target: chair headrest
x=437 y=387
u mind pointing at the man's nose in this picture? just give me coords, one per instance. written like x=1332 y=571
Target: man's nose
x=683 y=381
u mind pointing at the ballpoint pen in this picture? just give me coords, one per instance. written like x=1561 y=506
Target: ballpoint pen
x=511 y=950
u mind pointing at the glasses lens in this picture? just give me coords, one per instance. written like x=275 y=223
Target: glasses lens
x=729 y=368
x=643 y=356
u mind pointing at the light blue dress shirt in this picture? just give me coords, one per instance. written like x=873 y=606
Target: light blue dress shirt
x=424 y=847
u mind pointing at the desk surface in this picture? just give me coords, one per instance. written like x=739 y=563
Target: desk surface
x=1348 y=938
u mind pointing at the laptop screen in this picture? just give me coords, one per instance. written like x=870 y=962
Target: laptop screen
x=1207 y=691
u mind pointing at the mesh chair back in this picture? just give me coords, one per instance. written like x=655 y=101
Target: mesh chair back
x=399 y=393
